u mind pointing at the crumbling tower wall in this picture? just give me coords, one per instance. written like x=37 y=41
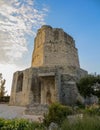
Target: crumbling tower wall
x=54 y=47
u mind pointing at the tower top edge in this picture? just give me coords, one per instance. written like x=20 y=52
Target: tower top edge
x=46 y=27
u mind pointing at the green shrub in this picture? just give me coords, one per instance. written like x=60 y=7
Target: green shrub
x=92 y=110
x=19 y=124
x=5 y=99
x=57 y=113
x=87 y=123
x=80 y=105
x=15 y=124
x=2 y=122
x=85 y=85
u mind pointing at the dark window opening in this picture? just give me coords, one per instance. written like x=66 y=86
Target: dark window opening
x=19 y=82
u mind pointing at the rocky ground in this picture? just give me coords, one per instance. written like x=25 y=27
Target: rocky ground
x=10 y=112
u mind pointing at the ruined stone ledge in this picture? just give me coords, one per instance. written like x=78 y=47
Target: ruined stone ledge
x=46 y=74
x=36 y=109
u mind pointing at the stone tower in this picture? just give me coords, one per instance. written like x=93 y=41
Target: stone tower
x=54 y=47
x=53 y=73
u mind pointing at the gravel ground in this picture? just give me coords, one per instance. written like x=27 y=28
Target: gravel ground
x=10 y=112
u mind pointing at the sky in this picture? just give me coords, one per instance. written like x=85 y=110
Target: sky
x=20 y=19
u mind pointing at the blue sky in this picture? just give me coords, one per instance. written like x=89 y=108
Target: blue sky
x=81 y=19
x=19 y=20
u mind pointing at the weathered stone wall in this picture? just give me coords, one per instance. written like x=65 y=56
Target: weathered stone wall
x=54 y=47
x=37 y=85
x=43 y=85
x=69 y=91
x=23 y=96
x=60 y=49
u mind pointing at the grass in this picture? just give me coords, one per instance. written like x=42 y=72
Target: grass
x=87 y=123
x=58 y=114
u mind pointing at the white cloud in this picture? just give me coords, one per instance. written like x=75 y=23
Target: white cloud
x=18 y=18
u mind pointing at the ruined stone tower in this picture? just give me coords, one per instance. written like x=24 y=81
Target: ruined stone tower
x=53 y=47
x=53 y=73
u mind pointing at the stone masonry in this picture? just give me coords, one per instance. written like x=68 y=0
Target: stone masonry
x=53 y=47
x=53 y=73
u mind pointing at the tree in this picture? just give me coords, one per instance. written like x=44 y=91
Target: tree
x=2 y=86
x=89 y=85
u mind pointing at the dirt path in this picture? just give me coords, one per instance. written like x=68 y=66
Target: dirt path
x=10 y=112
